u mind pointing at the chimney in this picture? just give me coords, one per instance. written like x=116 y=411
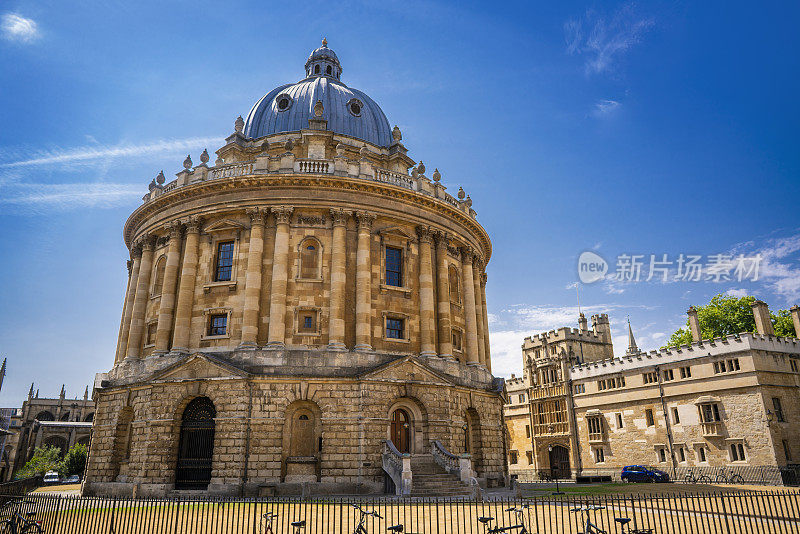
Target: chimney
x=763 y=321
x=694 y=324
x=582 y=325
x=795 y=310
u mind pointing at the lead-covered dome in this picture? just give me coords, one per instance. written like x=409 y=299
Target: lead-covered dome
x=348 y=111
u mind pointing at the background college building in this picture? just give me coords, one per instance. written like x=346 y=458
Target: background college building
x=732 y=402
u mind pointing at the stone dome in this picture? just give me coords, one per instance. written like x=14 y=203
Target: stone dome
x=348 y=111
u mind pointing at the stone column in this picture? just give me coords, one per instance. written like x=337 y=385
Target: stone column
x=486 y=343
x=141 y=298
x=183 y=310
x=167 y=307
x=338 y=279
x=694 y=325
x=364 y=282
x=470 y=318
x=252 y=281
x=127 y=310
x=280 y=274
x=426 y=300
x=442 y=278
x=477 y=267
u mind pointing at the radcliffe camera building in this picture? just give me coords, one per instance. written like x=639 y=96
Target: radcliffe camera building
x=728 y=403
x=305 y=310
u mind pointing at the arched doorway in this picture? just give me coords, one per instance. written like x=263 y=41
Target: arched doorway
x=401 y=430
x=559 y=462
x=196 y=445
x=472 y=439
x=58 y=442
x=302 y=442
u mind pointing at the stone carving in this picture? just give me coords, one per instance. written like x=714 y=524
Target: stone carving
x=204 y=156
x=339 y=216
x=319 y=109
x=396 y=134
x=282 y=214
x=187 y=163
x=193 y=224
x=364 y=152
x=310 y=220
x=289 y=145
x=340 y=150
x=365 y=220
x=174 y=228
x=257 y=215
x=160 y=178
x=424 y=233
x=421 y=168
x=238 y=126
x=467 y=254
x=461 y=193
x=436 y=175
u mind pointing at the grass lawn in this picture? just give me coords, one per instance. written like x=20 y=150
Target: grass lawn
x=62 y=487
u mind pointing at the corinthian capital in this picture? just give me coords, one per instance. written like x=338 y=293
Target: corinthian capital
x=147 y=242
x=365 y=220
x=258 y=216
x=483 y=279
x=174 y=229
x=467 y=254
x=424 y=233
x=193 y=224
x=477 y=262
x=282 y=214
x=340 y=216
x=442 y=239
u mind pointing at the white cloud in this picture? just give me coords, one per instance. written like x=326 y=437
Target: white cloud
x=40 y=197
x=779 y=264
x=17 y=28
x=602 y=40
x=740 y=292
x=92 y=155
x=603 y=108
x=506 y=350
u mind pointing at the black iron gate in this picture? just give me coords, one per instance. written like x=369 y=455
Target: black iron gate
x=196 y=445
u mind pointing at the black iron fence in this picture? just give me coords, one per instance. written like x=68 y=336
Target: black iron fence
x=21 y=486
x=729 y=513
x=745 y=474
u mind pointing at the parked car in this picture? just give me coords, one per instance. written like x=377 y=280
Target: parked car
x=51 y=477
x=643 y=473
x=74 y=479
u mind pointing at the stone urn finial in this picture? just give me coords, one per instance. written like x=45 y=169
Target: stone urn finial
x=239 y=124
x=414 y=172
x=461 y=193
x=468 y=202
x=364 y=151
x=324 y=42
x=187 y=163
x=319 y=109
x=436 y=175
x=204 y=156
x=397 y=135
x=160 y=178
x=289 y=145
x=340 y=150
x=152 y=185
x=421 y=167
x=218 y=161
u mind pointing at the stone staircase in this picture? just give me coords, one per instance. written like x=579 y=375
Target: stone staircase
x=432 y=480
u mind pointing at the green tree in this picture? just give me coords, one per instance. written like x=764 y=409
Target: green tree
x=44 y=459
x=725 y=315
x=74 y=461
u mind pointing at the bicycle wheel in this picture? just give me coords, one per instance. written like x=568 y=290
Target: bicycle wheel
x=6 y=527
x=32 y=528
x=704 y=479
x=721 y=479
x=736 y=479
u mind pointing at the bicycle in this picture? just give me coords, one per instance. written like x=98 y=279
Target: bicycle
x=623 y=521
x=588 y=525
x=397 y=528
x=267 y=518
x=519 y=511
x=360 y=528
x=298 y=526
x=722 y=478
x=691 y=479
x=18 y=523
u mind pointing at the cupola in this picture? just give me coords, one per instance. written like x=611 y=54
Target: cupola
x=323 y=62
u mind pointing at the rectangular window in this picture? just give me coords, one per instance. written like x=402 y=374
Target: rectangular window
x=719 y=367
x=527 y=431
x=681 y=455
x=512 y=457
x=686 y=372
x=599 y=456
x=676 y=418
x=580 y=388
x=394 y=267
x=522 y=398
x=776 y=404
x=710 y=412
x=529 y=455
x=733 y=365
x=224 y=267
x=308 y=322
x=662 y=454
x=648 y=413
x=395 y=328
x=737 y=452
x=793 y=365
x=151 y=333
x=668 y=375
x=456 y=338
x=726 y=366
x=619 y=421
x=218 y=325
x=701 y=454
x=786 y=451
x=650 y=378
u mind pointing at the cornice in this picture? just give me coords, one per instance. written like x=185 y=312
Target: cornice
x=206 y=188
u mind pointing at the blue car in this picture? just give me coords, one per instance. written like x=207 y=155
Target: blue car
x=642 y=473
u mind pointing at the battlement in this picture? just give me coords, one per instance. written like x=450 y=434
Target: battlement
x=711 y=347
x=564 y=333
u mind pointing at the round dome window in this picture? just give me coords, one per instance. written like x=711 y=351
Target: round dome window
x=283 y=102
x=355 y=106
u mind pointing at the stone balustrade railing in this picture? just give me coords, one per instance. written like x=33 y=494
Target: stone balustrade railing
x=398 y=467
x=287 y=163
x=460 y=464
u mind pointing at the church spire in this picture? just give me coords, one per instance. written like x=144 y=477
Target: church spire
x=632 y=348
x=30 y=392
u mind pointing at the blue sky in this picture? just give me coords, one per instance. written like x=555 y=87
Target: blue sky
x=621 y=128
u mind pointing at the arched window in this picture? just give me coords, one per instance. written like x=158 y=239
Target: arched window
x=89 y=418
x=455 y=293
x=45 y=416
x=328 y=70
x=310 y=259
x=65 y=416
x=196 y=445
x=316 y=69
x=158 y=276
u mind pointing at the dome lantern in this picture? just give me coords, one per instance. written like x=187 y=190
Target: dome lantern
x=323 y=62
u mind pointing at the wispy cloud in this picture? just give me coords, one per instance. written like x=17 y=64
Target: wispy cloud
x=604 y=108
x=90 y=155
x=603 y=40
x=17 y=28
x=62 y=197
x=779 y=268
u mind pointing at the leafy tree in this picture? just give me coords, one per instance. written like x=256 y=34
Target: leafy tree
x=74 y=461
x=725 y=315
x=44 y=459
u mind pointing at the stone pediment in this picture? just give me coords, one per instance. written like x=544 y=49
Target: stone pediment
x=196 y=366
x=407 y=369
x=225 y=225
x=393 y=231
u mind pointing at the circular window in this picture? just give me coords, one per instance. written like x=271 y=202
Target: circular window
x=283 y=102
x=355 y=106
